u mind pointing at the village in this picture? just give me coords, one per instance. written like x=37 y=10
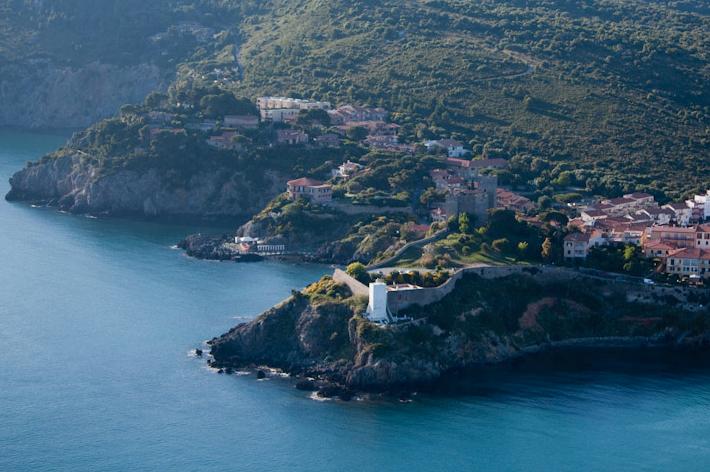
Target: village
x=675 y=235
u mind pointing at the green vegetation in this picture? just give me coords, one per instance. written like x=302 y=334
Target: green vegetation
x=558 y=310
x=503 y=240
x=617 y=101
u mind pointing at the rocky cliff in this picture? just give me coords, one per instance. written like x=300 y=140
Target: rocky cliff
x=322 y=334
x=72 y=183
x=40 y=94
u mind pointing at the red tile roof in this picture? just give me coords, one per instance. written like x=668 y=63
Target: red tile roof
x=691 y=253
x=304 y=182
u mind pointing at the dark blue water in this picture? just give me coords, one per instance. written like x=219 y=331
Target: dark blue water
x=97 y=318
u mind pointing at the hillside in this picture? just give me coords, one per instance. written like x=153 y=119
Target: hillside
x=617 y=92
x=607 y=97
x=70 y=63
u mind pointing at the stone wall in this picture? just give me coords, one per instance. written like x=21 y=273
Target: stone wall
x=609 y=285
x=350 y=209
x=355 y=286
x=418 y=243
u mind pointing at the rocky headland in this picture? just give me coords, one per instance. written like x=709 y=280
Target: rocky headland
x=73 y=182
x=490 y=317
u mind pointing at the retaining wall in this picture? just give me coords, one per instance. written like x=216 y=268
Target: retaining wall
x=607 y=285
x=355 y=286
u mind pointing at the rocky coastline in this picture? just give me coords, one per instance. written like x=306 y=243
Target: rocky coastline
x=329 y=347
x=72 y=183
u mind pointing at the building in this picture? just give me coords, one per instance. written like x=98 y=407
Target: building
x=225 y=140
x=291 y=137
x=377 y=309
x=512 y=201
x=700 y=205
x=286 y=109
x=689 y=262
x=476 y=198
x=676 y=236
x=328 y=140
x=592 y=215
x=641 y=199
x=347 y=170
x=249 y=245
x=577 y=245
x=274 y=103
x=310 y=189
x=682 y=214
x=280 y=115
x=453 y=148
x=496 y=163
x=461 y=167
x=679 y=237
x=350 y=113
x=660 y=216
x=657 y=249
x=241 y=121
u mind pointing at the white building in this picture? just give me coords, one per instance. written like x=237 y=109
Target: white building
x=682 y=213
x=266 y=103
x=377 y=309
x=701 y=205
x=453 y=148
x=279 y=115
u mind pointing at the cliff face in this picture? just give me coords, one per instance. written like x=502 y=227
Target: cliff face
x=73 y=184
x=40 y=94
x=471 y=327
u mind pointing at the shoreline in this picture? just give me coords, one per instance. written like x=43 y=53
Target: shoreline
x=584 y=354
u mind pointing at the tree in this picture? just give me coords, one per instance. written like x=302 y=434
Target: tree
x=502 y=223
x=357 y=133
x=464 y=223
x=546 y=248
x=155 y=100
x=359 y=272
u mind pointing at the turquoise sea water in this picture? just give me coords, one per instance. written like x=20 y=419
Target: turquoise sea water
x=97 y=317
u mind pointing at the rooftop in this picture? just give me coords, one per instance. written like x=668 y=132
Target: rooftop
x=305 y=182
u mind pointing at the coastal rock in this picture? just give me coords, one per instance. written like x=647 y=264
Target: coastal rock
x=72 y=182
x=471 y=327
x=306 y=385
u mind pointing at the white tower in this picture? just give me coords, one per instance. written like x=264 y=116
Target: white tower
x=377 y=306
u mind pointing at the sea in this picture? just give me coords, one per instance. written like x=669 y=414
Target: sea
x=99 y=318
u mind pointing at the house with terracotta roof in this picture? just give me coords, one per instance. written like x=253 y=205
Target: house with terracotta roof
x=291 y=137
x=697 y=236
x=496 y=163
x=577 y=245
x=310 y=189
x=689 y=262
x=512 y=201
x=591 y=215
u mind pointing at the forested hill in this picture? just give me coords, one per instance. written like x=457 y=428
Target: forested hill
x=617 y=90
x=610 y=94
